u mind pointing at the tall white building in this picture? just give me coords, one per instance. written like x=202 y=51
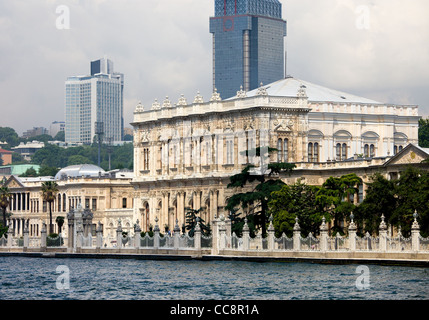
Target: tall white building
x=92 y=99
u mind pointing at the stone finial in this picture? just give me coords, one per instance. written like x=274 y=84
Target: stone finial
x=156 y=105
x=198 y=98
x=176 y=227
x=99 y=227
x=271 y=226
x=215 y=96
x=182 y=101
x=137 y=228
x=139 y=107
x=383 y=225
x=323 y=226
x=197 y=224
x=156 y=228
x=352 y=225
x=241 y=94
x=302 y=92
x=262 y=91
x=415 y=225
x=296 y=227
x=246 y=226
x=166 y=103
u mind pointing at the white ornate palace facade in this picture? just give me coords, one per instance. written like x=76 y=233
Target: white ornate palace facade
x=185 y=153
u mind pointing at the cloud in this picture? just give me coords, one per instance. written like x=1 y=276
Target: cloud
x=164 y=48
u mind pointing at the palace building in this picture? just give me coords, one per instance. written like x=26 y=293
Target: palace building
x=185 y=153
x=109 y=195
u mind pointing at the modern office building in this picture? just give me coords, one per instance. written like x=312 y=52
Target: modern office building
x=94 y=103
x=248 y=44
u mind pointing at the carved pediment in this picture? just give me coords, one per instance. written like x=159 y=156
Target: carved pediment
x=13 y=182
x=409 y=155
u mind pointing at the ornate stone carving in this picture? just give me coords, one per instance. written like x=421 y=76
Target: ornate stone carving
x=215 y=96
x=262 y=91
x=166 y=103
x=139 y=107
x=182 y=101
x=198 y=98
x=156 y=105
x=241 y=94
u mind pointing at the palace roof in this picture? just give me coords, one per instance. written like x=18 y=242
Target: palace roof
x=289 y=87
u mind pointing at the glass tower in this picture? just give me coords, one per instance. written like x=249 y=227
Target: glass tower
x=248 y=44
x=97 y=98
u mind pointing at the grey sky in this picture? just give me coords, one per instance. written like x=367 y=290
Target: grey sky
x=375 y=48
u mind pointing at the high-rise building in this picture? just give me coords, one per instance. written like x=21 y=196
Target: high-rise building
x=95 y=102
x=248 y=44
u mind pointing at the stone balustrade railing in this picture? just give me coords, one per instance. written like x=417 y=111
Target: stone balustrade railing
x=221 y=240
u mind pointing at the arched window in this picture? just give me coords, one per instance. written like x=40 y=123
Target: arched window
x=59 y=202
x=310 y=152
x=279 y=150
x=344 y=152
x=316 y=152
x=366 y=151
x=372 y=151
x=338 y=151
x=285 y=150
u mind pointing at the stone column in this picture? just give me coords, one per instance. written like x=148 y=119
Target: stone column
x=415 y=234
x=197 y=236
x=9 y=234
x=26 y=237
x=176 y=235
x=352 y=234
x=43 y=238
x=323 y=236
x=137 y=231
x=222 y=234
x=99 y=242
x=271 y=234
x=296 y=236
x=383 y=235
x=246 y=235
x=156 y=234
x=119 y=234
x=79 y=238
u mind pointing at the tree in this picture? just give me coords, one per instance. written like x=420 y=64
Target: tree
x=424 y=133
x=5 y=198
x=192 y=218
x=60 y=222
x=380 y=200
x=60 y=136
x=297 y=200
x=336 y=196
x=10 y=136
x=46 y=171
x=30 y=172
x=262 y=184
x=49 y=192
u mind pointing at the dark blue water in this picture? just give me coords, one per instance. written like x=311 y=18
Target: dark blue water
x=37 y=278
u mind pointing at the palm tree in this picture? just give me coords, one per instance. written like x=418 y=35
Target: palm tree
x=60 y=223
x=5 y=197
x=49 y=192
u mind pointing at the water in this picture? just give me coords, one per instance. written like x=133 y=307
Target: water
x=23 y=278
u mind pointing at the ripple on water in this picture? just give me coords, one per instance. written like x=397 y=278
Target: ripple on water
x=33 y=278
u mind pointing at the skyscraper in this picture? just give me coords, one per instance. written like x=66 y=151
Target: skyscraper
x=248 y=44
x=95 y=102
